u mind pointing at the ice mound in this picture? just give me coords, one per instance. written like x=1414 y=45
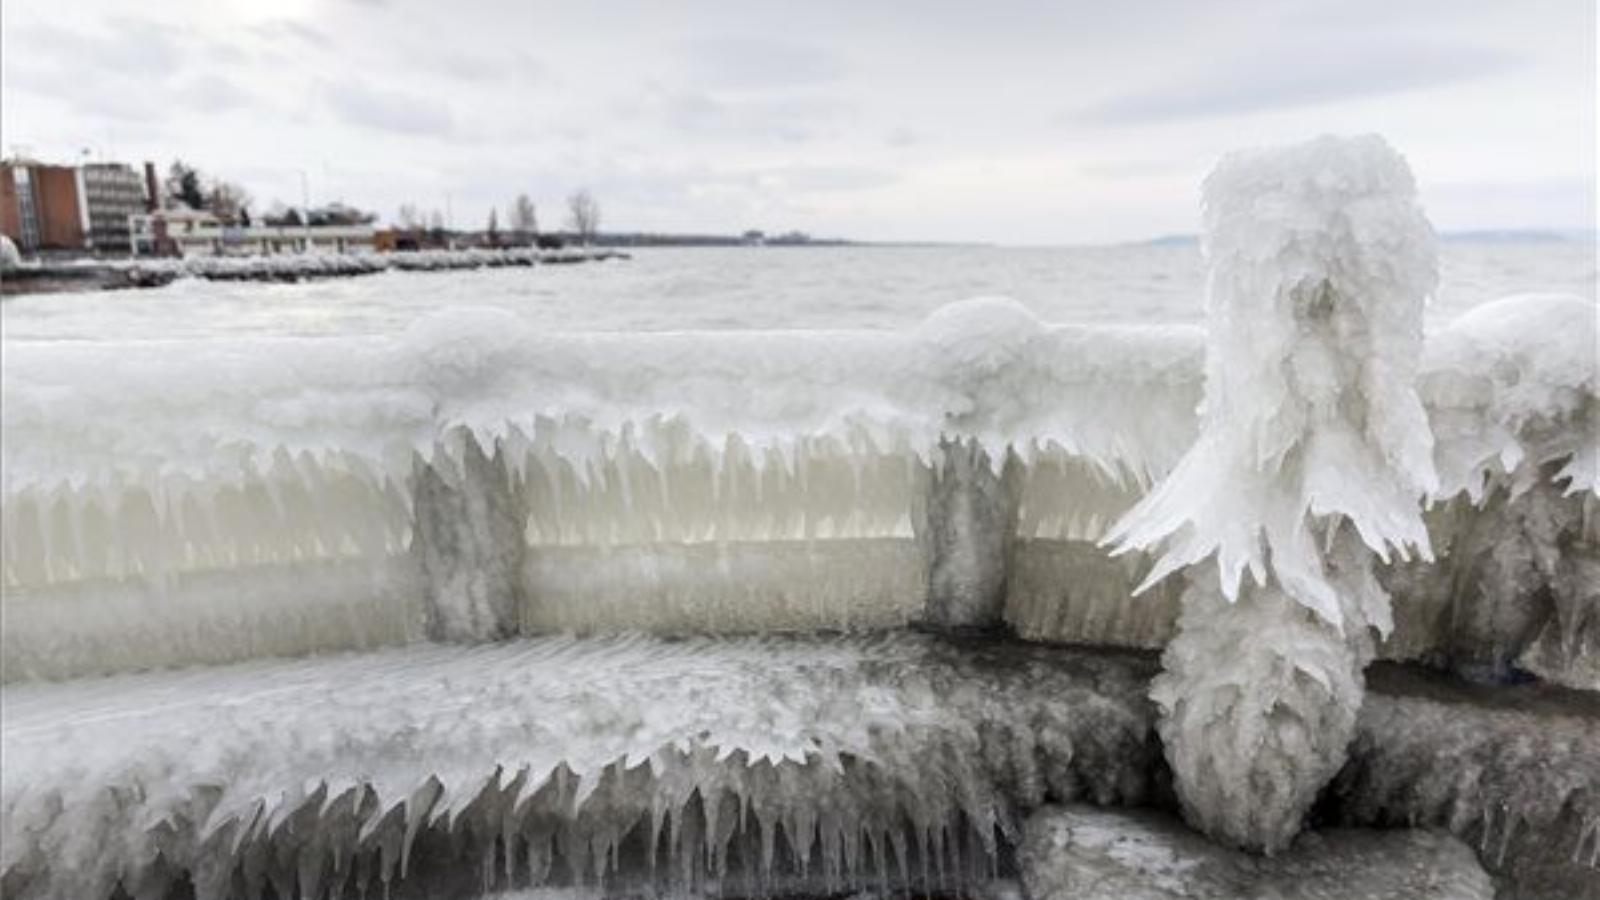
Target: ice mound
x=1081 y=853
x=679 y=764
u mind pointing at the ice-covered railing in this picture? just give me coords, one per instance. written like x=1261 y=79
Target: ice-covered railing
x=195 y=491
x=212 y=500
x=172 y=502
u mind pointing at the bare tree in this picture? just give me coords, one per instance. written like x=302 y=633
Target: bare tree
x=226 y=200
x=583 y=216
x=524 y=219
x=410 y=217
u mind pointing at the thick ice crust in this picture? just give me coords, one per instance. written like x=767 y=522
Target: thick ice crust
x=678 y=763
x=1319 y=262
x=1083 y=853
x=908 y=729
x=1514 y=771
x=1258 y=702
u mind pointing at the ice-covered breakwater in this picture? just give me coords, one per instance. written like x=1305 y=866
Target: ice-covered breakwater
x=1305 y=484
x=770 y=766
x=287 y=267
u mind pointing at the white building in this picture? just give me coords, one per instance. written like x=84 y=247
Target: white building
x=197 y=233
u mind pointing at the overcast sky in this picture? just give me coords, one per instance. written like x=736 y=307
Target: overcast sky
x=1047 y=122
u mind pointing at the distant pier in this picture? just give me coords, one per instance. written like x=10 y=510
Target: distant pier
x=285 y=268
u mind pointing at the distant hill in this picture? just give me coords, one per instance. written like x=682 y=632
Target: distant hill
x=1486 y=236
x=1510 y=236
x=1174 y=240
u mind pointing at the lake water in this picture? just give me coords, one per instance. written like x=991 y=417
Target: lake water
x=745 y=288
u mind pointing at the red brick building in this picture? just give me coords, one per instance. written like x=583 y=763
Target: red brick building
x=67 y=208
x=41 y=208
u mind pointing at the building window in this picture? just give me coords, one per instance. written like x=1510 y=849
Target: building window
x=27 y=208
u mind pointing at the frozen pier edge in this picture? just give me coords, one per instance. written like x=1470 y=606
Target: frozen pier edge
x=736 y=766
x=1304 y=485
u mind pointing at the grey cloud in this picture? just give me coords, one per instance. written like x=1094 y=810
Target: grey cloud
x=90 y=72
x=296 y=31
x=216 y=93
x=785 y=119
x=759 y=62
x=903 y=137
x=1287 y=75
x=87 y=95
x=127 y=47
x=827 y=179
x=1132 y=168
x=388 y=110
x=518 y=67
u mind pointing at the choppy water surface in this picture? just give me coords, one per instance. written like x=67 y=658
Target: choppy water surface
x=743 y=288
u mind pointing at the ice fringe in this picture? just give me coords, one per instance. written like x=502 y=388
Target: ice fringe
x=684 y=764
x=1314 y=454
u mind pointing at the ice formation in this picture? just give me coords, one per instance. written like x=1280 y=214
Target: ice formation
x=549 y=760
x=140 y=474
x=1314 y=453
x=1513 y=770
x=228 y=497
x=1514 y=403
x=1083 y=853
x=684 y=765
x=478 y=482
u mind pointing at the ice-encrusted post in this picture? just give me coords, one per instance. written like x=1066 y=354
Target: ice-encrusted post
x=1313 y=457
x=978 y=352
x=971 y=520
x=468 y=541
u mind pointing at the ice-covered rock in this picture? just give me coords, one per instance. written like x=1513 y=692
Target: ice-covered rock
x=1082 y=853
x=1513 y=770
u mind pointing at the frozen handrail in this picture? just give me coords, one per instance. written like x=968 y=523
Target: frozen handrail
x=202 y=501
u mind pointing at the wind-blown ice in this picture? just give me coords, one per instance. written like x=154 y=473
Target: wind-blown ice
x=633 y=762
x=170 y=502
x=1314 y=454
x=1319 y=263
x=796 y=464
x=1514 y=386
